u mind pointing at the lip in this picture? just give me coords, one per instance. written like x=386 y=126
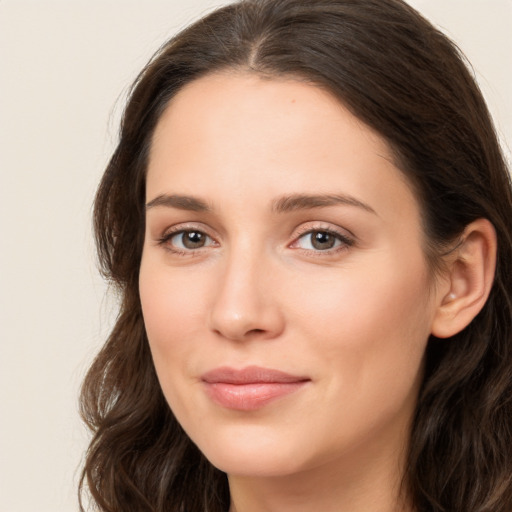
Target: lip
x=250 y=388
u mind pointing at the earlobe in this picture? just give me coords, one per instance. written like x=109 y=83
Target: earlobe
x=470 y=278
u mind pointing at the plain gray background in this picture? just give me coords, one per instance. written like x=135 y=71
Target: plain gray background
x=65 y=67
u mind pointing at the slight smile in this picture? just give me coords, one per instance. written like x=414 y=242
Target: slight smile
x=250 y=388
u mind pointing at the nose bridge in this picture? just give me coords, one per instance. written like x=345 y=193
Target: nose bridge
x=244 y=303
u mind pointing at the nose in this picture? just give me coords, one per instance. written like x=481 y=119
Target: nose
x=245 y=302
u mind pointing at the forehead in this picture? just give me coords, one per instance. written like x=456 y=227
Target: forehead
x=234 y=101
x=234 y=132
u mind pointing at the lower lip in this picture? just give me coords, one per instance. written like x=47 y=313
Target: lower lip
x=251 y=396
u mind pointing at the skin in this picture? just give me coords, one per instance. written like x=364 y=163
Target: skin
x=353 y=319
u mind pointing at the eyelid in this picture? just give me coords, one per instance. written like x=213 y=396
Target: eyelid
x=345 y=236
x=308 y=227
x=174 y=230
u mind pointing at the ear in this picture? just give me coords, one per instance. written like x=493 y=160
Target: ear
x=469 y=279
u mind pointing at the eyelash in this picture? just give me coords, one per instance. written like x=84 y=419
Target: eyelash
x=172 y=232
x=345 y=241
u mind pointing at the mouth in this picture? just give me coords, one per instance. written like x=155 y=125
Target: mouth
x=250 y=388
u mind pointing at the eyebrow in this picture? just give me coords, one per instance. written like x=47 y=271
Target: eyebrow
x=189 y=203
x=304 y=202
x=283 y=204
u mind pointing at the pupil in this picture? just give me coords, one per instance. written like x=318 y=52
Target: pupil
x=322 y=240
x=193 y=240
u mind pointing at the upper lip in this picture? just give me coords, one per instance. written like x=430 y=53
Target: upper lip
x=249 y=375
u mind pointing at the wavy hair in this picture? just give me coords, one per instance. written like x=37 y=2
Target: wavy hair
x=410 y=83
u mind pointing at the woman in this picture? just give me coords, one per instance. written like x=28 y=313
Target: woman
x=308 y=220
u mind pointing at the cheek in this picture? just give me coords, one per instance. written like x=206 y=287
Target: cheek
x=370 y=302
x=173 y=312
x=370 y=328
x=367 y=335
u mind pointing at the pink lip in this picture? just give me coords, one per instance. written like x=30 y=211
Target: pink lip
x=250 y=388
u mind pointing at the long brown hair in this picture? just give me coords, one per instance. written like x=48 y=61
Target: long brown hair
x=403 y=78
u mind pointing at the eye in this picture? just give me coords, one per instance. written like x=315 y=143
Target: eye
x=187 y=240
x=321 y=240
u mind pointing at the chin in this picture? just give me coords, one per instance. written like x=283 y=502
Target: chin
x=253 y=464
x=250 y=453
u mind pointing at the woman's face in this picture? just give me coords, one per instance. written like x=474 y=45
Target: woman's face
x=283 y=284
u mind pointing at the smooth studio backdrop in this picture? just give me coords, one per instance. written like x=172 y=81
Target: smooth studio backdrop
x=65 y=67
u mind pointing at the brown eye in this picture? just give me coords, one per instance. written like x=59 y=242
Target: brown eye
x=190 y=240
x=193 y=239
x=322 y=240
